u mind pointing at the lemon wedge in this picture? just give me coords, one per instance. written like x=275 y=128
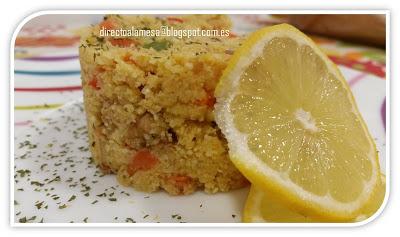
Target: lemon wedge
x=293 y=127
x=261 y=207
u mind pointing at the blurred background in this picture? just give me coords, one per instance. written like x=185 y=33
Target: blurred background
x=47 y=72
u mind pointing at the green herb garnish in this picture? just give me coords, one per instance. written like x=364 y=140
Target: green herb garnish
x=158 y=45
x=73 y=197
x=128 y=219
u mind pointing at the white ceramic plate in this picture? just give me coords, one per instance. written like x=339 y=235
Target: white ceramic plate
x=56 y=182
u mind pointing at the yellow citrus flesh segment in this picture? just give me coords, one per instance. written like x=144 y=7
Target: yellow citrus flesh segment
x=293 y=127
x=261 y=207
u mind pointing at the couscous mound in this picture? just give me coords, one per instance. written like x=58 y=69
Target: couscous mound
x=149 y=104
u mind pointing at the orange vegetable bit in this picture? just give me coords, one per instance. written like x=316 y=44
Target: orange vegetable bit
x=122 y=42
x=108 y=24
x=209 y=100
x=127 y=58
x=142 y=160
x=100 y=69
x=174 y=20
x=106 y=169
x=94 y=82
x=181 y=182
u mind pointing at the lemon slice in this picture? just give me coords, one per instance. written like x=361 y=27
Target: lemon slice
x=293 y=127
x=261 y=207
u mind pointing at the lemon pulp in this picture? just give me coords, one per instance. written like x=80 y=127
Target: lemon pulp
x=292 y=110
